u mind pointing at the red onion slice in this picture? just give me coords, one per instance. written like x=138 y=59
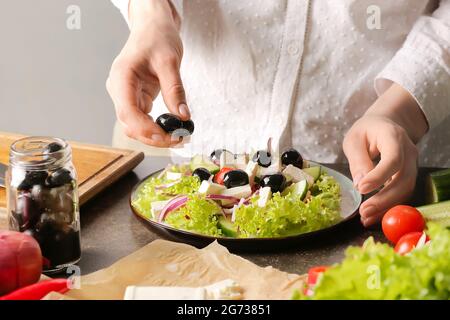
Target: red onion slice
x=172 y=205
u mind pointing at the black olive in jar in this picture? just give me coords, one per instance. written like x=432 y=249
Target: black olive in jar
x=263 y=158
x=31 y=179
x=202 y=174
x=276 y=182
x=235 y=178
x=293 y=157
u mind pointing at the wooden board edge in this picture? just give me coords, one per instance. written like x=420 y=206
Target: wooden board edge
x=109 y=175
x=83 y=145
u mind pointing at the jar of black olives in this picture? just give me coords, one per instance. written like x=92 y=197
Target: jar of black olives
x=42 y=198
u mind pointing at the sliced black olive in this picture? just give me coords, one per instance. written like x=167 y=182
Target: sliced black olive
x=169 y=122
x=293 y=157
x=52 y=147
x=188 y=125
x=59 y=178
x=276 y=182
x=263 y=158
x=33 y=178
x=235 y=178
x=201 y=173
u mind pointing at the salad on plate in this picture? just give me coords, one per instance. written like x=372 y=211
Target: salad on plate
x=241 y=196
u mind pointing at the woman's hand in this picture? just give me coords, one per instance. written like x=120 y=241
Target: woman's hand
x=149 y=62
x=388 y=131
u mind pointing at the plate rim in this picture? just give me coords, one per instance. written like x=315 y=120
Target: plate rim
x=167 y=228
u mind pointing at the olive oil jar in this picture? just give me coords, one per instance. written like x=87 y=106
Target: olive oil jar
x=42 y=195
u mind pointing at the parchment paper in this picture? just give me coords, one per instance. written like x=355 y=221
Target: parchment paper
x=165 y=263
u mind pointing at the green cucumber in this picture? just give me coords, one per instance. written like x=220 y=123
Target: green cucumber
x=438 y=186
x=313 y=172
x=300 y=188
x=437 y=212
x=228 y=228
x=198 y=161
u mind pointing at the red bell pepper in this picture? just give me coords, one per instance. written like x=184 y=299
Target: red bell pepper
x=38 y=290
x=313 y=275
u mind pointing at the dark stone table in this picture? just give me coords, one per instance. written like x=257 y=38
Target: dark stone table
x=110 y=231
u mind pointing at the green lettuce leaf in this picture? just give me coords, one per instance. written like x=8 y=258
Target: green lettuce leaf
x=376 y=271
x=147 y=193
x=199 y=215
x=289 y=215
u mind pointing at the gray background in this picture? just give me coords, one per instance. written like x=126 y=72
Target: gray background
x=52 y=79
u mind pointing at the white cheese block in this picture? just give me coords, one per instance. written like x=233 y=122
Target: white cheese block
x=237 y=192
x=208 y=187
x=173 y=175
x=251 y=169
x=265 y=194
x=164 y=293
x=157 y=207
x=222 y=290
x=295 y=174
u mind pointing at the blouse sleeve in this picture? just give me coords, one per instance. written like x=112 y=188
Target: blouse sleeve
x=422 y=65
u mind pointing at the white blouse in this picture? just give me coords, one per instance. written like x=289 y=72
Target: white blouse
x=303 y=71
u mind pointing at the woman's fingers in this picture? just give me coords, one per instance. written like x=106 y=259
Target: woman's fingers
x=356 y=150
x=124 y=90
x=391 y=161
x=172 y=90
x=397 y=191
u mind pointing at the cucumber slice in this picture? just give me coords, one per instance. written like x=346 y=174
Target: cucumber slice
x=313 y=172
x=228 y=228
x=437 y=212
x=198 y=161
x=438 y=186
x=300 y=188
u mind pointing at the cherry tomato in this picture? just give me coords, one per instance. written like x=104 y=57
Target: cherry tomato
x=314 y=273
x=401 y=220
x=408 y=242
x=218 y=178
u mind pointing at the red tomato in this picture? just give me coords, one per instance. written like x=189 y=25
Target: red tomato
x=408 y=242
x=401 y=220
x=314 y=273
x=218 y=178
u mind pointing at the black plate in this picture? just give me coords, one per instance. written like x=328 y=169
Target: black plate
x=350 y=202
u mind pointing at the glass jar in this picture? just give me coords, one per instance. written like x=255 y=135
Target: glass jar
x=42 y=196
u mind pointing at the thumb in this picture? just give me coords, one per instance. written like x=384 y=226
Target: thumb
x=356 y=150
x=172 y=89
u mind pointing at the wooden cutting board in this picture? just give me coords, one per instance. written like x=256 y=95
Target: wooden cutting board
x=97 y=166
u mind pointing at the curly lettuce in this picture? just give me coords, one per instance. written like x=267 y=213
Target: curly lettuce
x=150 y=192
x=290 y=215
x=376 y=271
x=199 y=215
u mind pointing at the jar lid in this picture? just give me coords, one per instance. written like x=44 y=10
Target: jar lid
x=39 y=152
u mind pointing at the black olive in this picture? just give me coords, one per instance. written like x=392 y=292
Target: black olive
x=188 y=125
x=169 y=122
x=263 y=158
x=33 y=178
x=293 y=157
x=201 y=173
x=52 y=147
x=215 y=155
x=235 y=178
x=28 y=211
x=276 y=182
x=59 y=178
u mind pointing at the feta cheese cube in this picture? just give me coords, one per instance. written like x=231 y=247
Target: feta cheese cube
x=209 y=187
x=156 y=208
x=251 y=169
x=237 y=192
x=173 y=175
x=265 y=194
x=295 y=174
